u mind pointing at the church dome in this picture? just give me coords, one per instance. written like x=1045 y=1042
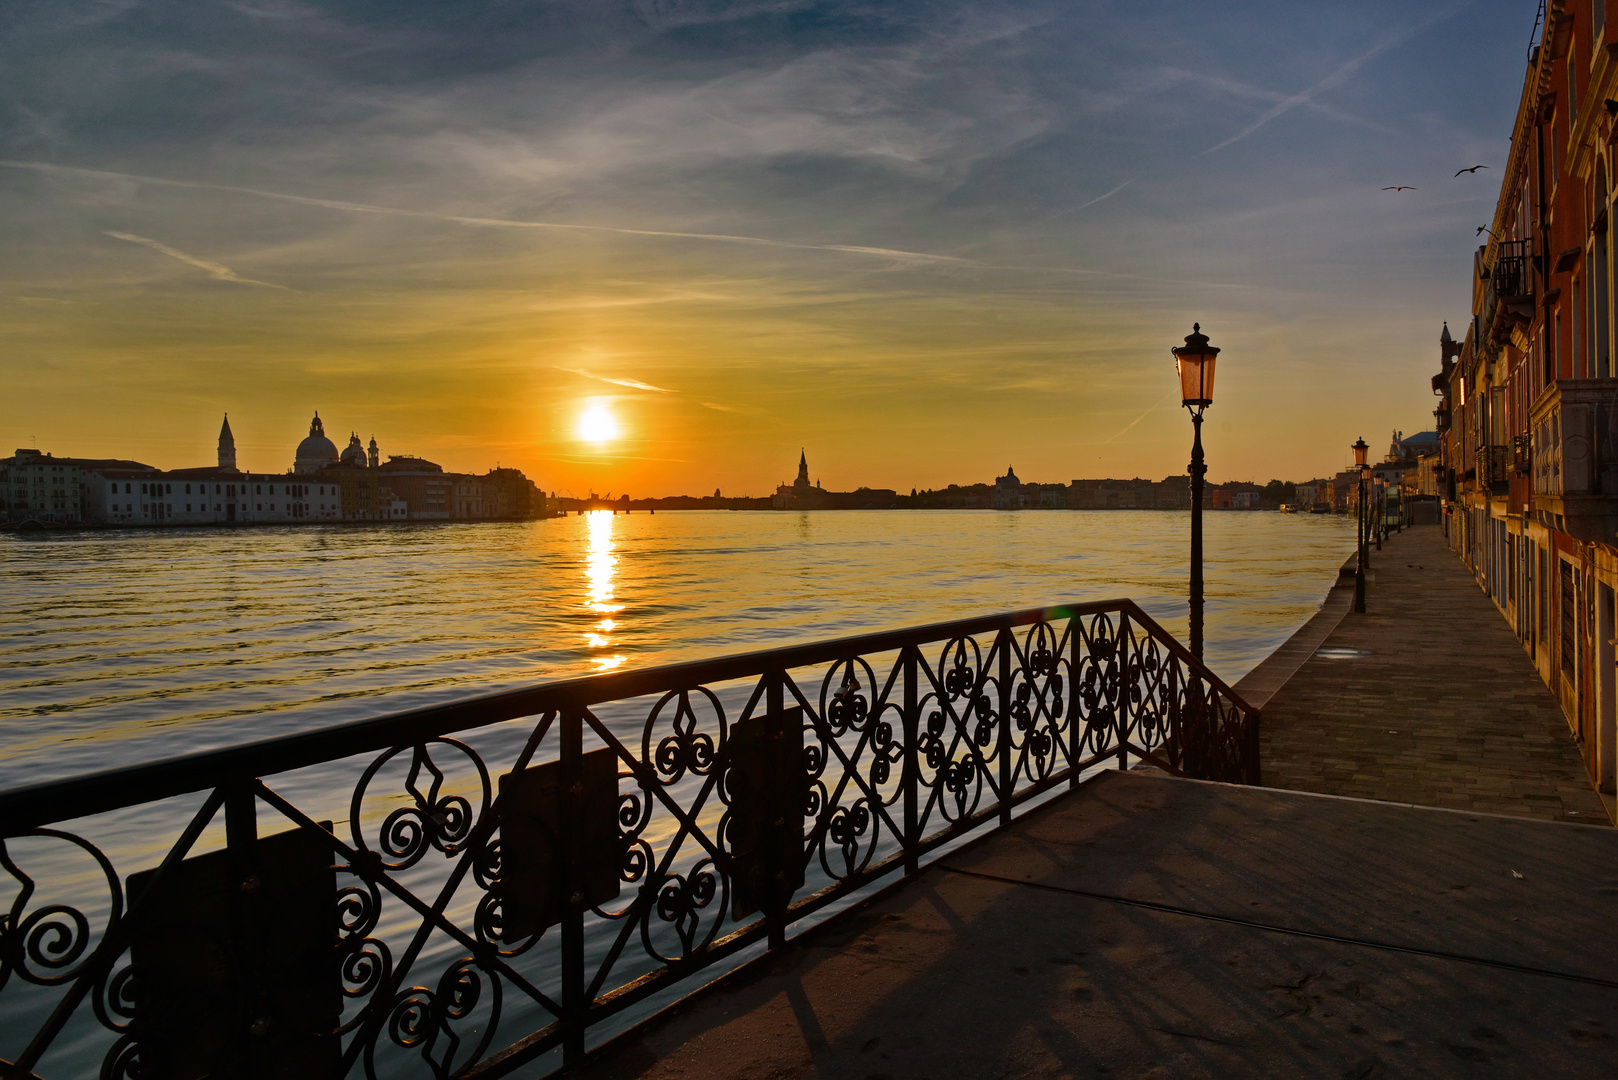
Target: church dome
x=355 y=453
x=316 y=452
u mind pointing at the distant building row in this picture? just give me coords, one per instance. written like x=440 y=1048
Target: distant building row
x=322 y=486
x=1008 y=492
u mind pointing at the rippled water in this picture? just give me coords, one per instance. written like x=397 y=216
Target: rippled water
x=122 y=646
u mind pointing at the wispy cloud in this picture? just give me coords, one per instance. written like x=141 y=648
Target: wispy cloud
x=633 y=384
x=488 y=222
x=1338 y=76
x=920 y=258
x=636 y=384
x=218 y=271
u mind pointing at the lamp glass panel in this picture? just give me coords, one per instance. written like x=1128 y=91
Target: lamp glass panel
x=1196 y=377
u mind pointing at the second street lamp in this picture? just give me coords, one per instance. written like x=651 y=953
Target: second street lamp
x=1195 y=362
x=1359 y=449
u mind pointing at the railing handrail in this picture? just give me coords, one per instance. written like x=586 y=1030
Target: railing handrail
x=33 y=805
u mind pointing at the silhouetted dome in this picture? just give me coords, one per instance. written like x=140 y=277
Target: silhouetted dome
x=317 y=451
x=354 y=454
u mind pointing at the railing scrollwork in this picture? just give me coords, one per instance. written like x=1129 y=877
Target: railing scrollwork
x=478 y=909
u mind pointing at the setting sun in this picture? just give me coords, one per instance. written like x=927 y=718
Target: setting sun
x=597 y=425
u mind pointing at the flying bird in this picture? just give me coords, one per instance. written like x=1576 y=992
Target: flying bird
x=1399 y=187
x=1473 y=169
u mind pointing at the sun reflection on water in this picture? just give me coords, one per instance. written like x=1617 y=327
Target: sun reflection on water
x=600 y=568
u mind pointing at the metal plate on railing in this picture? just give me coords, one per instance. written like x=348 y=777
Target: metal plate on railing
x=535 y=852
x=236 y=973
x=767 y=788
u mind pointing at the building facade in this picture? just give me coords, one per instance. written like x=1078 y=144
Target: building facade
x=1527 y=467
x=323 y=485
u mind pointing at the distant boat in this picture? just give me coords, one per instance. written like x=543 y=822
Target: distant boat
x=1288 y=508
x=1320 y=508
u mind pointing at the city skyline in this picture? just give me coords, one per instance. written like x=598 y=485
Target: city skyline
x=916 y=240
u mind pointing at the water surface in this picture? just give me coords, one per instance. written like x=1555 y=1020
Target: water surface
x=129 y=645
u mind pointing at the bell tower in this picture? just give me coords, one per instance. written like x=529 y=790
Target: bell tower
x=803 y=470
x=227 y=445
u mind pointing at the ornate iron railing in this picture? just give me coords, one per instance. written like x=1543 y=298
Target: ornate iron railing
x=1494 y=465
x=647 y=824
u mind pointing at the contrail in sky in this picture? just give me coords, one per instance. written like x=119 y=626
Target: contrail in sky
x=1135 y=421
x=1092 y=202
x=1340 y=75
x=218 y=270
x=889 y=254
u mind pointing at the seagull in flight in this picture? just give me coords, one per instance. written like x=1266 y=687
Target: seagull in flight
x=1399 y=187
x=1473 y=169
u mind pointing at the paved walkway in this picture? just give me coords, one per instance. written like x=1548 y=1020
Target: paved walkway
x=1146 y=926
x=1446 y=710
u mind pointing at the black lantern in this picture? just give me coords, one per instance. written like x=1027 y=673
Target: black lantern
x=1195 y=361
x=1360 y=447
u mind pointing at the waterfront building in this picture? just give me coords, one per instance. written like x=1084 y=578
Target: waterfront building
x=803 y=495
x=36 y=486
x=800 y=494
x=1171 y=493
x=1008 y=492
x=323 y=485
x=1528 y=413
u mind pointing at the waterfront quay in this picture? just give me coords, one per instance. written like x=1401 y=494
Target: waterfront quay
x=1148 y=926
x=1427 y=698
x=1435 y=896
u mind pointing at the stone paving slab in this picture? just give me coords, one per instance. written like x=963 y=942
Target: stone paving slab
x=994 y=962
x=1446 y=710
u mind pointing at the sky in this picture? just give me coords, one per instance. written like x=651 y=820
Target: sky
x=920 y=240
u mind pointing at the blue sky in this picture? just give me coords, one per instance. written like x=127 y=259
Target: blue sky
x=923 y=240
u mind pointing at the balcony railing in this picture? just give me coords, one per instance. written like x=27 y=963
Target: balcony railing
x=518 y=871
x=1494 y=465
x=1508 y=302
x=1509 y=277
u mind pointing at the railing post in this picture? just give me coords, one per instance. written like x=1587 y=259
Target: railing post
x=574 y=1007
x=911 y=721
x=1175 y=711
x=1074 y=734
x=774 y=903
x=1006 y=640
x=1122 y=717
x=241 y=844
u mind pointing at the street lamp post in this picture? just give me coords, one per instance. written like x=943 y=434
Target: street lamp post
x=1359 y=449
x=1379 y=497
x=1195 y=362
